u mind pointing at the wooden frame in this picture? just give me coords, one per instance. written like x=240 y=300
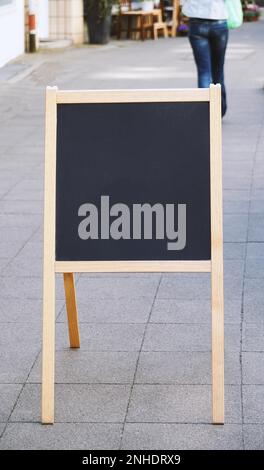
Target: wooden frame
x=51 y=266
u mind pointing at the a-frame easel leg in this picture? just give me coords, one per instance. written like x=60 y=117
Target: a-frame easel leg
x=217 y=348
x=72 y=312
x=48 y=349
x=217 y=256
x=48 y=346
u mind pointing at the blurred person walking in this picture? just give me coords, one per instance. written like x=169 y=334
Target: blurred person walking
x=208 y=35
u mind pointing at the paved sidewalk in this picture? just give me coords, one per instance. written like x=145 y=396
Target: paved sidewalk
x=142 y=376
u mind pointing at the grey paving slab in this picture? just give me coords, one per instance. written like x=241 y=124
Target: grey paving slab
x=257 y=206
x=21 y=207
x=253 y=399
x=76 y=403
x=253 y=368
x=180 y=404
x=24 y=310
x=61 y=436
x=113 y=288
x=187 y=337
x=3 y=190
x=253 y=337
x=189 y=288
x=2 y=428
x=20 y=220
x=3 y=263
x=184 y=288
x=9 y=394
x=104 y=337
x=234 y=167
x=233 y=270
x=253 y=311
x=33 y=249
x=254 y=268
x=256 y=227
x=27 y=288
x=192 y=311
x=27 y=185
x=233 y=195
x=257 y=181
x=162 y=436
x=9 y=234
x=10 y=248
x=24 y=194
x=21 y=266
x=184 y=368
x=257 y=194
x=25 y=149
x=254 y=290
x=255 y=250
x=81 y=366
x=253 y=436
x=20 y=343
x=236 y=207
x=235 y=227
x=234 y=251
x=236 y=182
x=113 y=311
x=38 y=235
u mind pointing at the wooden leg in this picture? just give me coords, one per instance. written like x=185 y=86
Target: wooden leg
x=48 y=345
x=217 y=348
x=217 y=256
x=71 y=310
x=155 y=32
x=48 y=349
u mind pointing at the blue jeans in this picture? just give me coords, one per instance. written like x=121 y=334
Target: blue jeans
x=208 y=39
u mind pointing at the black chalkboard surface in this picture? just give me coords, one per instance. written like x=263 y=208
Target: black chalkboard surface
x=130 y=154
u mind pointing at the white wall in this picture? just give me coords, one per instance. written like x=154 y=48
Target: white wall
x=43 y=19
x=12 y=41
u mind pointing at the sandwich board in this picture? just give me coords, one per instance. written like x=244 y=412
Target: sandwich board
x=133 y=183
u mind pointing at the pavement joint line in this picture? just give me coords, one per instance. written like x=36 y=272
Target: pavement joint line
x=137 y=362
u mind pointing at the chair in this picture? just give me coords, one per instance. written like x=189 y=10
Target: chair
x=174 y=12
x=159 y=24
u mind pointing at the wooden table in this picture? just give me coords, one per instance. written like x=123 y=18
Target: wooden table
x=145 y=18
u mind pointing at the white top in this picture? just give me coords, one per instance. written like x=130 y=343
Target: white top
x=205 y=9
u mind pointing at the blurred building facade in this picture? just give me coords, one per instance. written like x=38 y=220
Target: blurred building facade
x=66 y=20
x=12 y=29
x=55 y=20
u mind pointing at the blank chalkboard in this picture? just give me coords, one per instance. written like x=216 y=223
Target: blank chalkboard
x=134 y=153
